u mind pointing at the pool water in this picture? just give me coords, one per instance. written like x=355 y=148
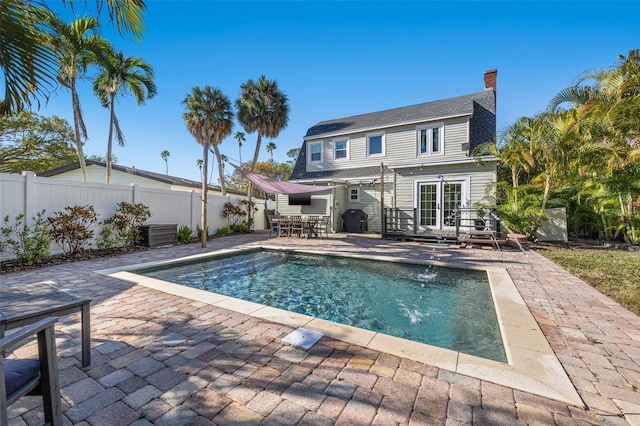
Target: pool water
x=444 y=307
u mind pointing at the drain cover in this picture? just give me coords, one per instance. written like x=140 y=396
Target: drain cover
x=303 y=338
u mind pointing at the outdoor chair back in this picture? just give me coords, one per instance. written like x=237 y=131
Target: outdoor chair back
x=19 y=377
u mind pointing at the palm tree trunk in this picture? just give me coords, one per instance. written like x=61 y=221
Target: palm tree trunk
x=203 y=218
x=75 y=104
x=253 y=169
x=220 y=173
x=110 y=139
x=547 y=190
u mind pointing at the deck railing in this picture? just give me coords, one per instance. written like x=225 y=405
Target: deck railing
x=400 y=221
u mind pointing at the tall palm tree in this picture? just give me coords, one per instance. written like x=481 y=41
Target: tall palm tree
x=120 y=75
x=263 y=108
x=209 y=118
x=165 y=155
x=239 y=136
x=77 y=46
x=28 y=65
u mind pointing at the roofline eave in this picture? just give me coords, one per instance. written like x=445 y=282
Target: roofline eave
x=372 y=128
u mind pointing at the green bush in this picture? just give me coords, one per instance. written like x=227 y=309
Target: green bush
x=241 y=229
x=71 y=229
x=29 y=242
x=199 y=231
x=109 y=238
x=224 y=231
x=185 y=234
x=127 y=221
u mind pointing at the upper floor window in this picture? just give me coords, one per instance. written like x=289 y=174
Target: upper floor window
x=315 y=152
x=430 y=139
x=375 y=144
x=340 y=147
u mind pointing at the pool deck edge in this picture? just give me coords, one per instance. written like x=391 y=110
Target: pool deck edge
x=533 y=366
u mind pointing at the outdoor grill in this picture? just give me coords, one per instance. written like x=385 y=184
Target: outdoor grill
x=354 y=220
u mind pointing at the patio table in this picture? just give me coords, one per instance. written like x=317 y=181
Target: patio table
x=26 y=304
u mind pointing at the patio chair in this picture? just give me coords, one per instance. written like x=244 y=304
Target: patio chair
x=283 y=226
x=297 y=226
x=32 y=376
x=324 y=225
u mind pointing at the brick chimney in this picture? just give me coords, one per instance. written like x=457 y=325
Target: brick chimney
x=490 y=78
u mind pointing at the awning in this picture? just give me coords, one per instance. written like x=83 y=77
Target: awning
x=274 y=186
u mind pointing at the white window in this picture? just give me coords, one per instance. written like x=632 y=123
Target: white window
x=431 y=139
x=375 y=144
x=315 y=152
x=340 y=148
x=354 y=195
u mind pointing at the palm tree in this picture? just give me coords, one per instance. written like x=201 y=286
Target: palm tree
x=77 y=46
x=239 y=136
x=264 y=108
x=28 y=65
x=120 y=75
x=209 y=118
x=165 y=155
x=271 y=146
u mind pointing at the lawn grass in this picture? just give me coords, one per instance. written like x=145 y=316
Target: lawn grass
x=615 y=273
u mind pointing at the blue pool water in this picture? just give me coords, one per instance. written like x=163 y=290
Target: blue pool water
x=444 y=307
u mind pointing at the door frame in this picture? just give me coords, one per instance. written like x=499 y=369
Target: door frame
x=465 y=192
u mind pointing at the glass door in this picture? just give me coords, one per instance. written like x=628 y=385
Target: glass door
x=437 y=203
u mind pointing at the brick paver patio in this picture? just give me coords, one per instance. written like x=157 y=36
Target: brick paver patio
x=166 y=360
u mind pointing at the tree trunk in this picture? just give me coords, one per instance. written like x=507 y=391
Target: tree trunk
x=253 y=169
x=220 y=173
x=110 y=139
x=75 y=104
x=203 y=218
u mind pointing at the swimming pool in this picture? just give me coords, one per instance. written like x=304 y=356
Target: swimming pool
x=444 y=307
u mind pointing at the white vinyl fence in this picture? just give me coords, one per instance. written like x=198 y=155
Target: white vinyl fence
x=29 y=194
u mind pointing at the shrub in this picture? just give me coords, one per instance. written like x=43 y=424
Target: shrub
x=199 y=231
x=224 y=231
x=109 y=238
x=29 y=242
x=71 y=229
x=127 y=220
x=233 y=213
x=185 y=234
x=241 y=229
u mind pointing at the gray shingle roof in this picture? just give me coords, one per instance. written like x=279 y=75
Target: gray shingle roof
x=461 y=105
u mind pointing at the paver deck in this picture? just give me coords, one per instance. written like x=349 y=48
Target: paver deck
x=163 y=359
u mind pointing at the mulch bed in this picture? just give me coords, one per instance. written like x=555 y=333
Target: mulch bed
x=15 y=265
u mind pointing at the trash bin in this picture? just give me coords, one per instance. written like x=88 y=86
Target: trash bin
x=354 y=220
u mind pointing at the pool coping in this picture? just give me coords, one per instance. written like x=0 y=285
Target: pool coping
x=532 y=365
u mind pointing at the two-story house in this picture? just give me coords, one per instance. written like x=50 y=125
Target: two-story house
x=424 y=152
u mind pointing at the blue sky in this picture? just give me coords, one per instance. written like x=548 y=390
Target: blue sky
x=336 y=59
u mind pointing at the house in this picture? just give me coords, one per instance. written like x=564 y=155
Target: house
x=121 y=175
x=416 y=159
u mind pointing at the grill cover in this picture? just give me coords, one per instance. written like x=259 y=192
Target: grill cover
x=354 y=220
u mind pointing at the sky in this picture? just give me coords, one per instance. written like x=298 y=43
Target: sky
x=337 y=59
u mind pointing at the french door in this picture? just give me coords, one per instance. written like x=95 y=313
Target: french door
x=438 y=201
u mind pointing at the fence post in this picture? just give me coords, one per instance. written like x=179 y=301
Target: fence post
x=29 y=195
x=134 y=193
x=195 y=209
